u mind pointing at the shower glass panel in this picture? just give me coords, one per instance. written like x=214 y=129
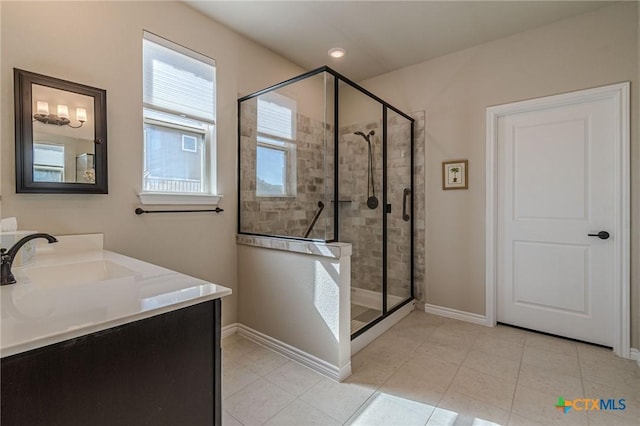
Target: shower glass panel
x=320 y=158
x=286 y=151
x=400 y=219
x=360 y=208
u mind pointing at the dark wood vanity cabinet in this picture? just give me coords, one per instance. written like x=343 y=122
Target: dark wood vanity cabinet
x=163 y=370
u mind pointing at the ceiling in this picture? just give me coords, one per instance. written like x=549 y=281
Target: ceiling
x=382 y=36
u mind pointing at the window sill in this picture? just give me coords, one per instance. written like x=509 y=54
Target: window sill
x=163 y=198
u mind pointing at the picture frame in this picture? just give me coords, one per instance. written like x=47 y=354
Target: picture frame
x=455 y=174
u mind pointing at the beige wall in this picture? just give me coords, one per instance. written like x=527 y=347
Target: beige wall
x=590 y=50
x=100 y=44
x=299 y=299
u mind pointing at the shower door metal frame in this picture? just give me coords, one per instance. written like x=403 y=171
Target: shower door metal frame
x=385 y=311
x=385 y=107
x=239 y=129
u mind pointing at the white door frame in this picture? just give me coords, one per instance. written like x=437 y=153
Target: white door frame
x=622 y=184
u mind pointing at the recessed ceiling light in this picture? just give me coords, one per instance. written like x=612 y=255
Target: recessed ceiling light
x=337 y=52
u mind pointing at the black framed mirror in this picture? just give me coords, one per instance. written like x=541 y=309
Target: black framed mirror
x=61 y=136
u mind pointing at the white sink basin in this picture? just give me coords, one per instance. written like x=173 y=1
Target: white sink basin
x=73 y=274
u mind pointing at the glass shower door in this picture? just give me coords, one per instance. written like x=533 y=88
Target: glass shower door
x=399 y=183
x=361 y=210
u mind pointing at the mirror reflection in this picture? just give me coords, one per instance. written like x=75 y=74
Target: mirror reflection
x=63 y=136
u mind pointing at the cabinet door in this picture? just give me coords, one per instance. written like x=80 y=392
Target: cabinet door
x=163 y=370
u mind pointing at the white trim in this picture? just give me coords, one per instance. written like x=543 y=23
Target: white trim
x=165 y=122
x=162 y=198
x=316 y=364
x=195 y=143
x=491 y=216
x=228 y=330
x=634 y=354
x=377 y=330
x=622 y=273
x=456 y=314
x=372 y=299
x=168 y=44
x=621 y=293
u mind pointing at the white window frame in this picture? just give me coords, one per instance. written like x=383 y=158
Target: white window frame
x=289 y=150
x=190 y=138
x=209 y=196
x=285 y=145
x=57 y=169
x=51 y=167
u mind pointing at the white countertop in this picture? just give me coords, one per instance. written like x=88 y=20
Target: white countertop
x=100 y=289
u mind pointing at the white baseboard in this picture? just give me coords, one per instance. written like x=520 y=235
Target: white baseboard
x=228 y=330
x=316 y=364
x=376 y=331
x=455 y=314
x=635 y=355
x=372 y=299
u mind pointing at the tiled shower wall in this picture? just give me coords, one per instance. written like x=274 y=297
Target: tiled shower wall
x=419 y=204
x=287 y=216
x=359 y=225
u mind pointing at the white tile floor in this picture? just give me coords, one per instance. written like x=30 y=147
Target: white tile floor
x=429 y=370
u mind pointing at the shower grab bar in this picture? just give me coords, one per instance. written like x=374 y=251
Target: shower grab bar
x=405 y=195
x=315 y=219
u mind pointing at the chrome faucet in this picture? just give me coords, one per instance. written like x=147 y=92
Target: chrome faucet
x=7 y=256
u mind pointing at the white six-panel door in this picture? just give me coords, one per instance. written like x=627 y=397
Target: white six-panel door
x=558 y=180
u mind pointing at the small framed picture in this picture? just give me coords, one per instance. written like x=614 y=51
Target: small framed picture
x=455 y=174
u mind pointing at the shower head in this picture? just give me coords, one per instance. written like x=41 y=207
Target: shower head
x=367 y=136
x=372 y=200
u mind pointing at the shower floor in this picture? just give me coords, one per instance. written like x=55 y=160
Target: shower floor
x=361 y=316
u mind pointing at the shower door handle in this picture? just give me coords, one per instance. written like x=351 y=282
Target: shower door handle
x=405 y=196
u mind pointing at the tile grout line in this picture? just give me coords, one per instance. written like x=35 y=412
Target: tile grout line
x=482 y=372
x=280 y=410
x=515 y=389
x=584 y=392
x=233 y=417
x=437 y=405
x=296 y=397
x=350 y=418
x=456 y=374
x=263 y=377
x=377 y=389
x=243 y=387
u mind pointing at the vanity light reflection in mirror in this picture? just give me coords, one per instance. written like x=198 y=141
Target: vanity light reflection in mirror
x=63 y=136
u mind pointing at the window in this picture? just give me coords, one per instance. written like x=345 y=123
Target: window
x=48 y=162
x=179 y=119
x=189 y=143
x=276 y=150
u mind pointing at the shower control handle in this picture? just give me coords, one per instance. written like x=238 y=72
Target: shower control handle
x=405 y=196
